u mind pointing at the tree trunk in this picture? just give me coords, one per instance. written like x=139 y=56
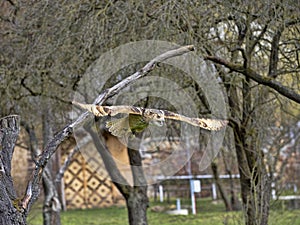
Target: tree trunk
x=135 y=196
x=254 y=180
x=137 y=204
x=256 y=196
x=11 y=212
x=255 y=183
x=235 y=203
x=52 y=205
x=220 y=187
x=137 y=201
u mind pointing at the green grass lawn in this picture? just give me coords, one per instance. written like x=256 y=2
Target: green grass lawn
x=207 y=213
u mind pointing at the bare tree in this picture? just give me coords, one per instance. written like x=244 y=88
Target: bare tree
x=254 y=46
x=32 y=190
x=246 y=105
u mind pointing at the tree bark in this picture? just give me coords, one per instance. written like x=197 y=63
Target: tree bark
x=11 y=212
x=137 y=204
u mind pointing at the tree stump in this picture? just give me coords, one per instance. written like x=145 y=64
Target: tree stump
x=11 y=213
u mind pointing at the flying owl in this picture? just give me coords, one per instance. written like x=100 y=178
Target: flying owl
x=138 y=118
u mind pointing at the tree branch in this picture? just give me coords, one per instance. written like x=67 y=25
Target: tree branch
x=33 y=183
x=250 y=73
x=67 y=161
x=274 y=54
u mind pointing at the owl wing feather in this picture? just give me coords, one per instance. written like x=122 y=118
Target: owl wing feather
x=119 y=127
x=208 y=124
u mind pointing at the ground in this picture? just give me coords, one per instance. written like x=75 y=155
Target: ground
x=208 y=213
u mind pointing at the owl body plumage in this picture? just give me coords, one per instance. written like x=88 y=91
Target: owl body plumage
x=137 y=123
x=128 y=125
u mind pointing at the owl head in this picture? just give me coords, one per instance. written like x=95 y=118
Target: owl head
x=156 y=117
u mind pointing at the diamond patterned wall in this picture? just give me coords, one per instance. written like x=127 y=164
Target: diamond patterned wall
x=85 y=188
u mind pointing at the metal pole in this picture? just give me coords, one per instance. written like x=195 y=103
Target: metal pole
x=189 y=170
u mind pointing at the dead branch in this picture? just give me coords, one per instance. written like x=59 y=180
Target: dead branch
x=250 y=73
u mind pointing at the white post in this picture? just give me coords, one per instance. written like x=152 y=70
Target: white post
x=214 y=191
x=295 y=188
x=178 y=206
x=161 y=193
x=273 y=190
x=193 y=200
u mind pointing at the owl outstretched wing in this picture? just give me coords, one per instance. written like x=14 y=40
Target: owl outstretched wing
x=153 y=114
